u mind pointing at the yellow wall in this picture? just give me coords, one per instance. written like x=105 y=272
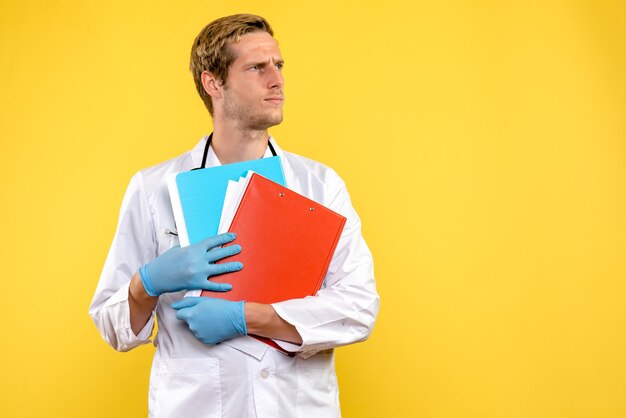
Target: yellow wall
x=484 y=145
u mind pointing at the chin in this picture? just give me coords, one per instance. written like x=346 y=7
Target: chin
x=267 y=122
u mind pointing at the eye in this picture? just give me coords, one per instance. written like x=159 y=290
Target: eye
x=280 y=65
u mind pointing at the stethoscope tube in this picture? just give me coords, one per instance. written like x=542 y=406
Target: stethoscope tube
x=208 y=144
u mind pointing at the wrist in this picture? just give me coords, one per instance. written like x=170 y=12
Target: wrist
x=145 y=281
x=137 y=290
x=255 y=317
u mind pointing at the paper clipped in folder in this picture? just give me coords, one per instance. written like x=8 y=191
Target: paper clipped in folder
x=287 y=243
x=197 y=196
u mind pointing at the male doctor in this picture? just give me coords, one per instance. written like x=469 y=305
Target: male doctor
x=205 y=365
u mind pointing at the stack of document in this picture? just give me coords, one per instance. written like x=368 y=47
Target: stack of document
x=287 y=239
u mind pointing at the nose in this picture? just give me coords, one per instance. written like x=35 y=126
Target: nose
x=275 y=77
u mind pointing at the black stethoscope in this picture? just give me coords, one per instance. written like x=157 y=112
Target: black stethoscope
x=208 y=144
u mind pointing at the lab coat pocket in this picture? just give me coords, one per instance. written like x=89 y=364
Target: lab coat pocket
x=188 y=388
x=318 y=394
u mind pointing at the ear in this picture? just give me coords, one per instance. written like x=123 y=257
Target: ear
x=211 y=84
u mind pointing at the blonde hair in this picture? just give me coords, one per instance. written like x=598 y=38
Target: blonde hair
x=212 y=52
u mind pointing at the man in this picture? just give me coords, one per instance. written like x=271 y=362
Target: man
x=204 y=364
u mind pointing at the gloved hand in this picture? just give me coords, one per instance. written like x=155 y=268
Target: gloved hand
x=212 y=320
x=189 y=268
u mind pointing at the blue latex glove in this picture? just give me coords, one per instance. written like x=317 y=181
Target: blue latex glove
x=189 y=268
x=212 y=320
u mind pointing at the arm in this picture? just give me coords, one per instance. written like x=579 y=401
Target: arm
x=124 y=303
x=344 y=310
x=141 y=304
x=213 y=320
x=133 y=245
x=262 y=320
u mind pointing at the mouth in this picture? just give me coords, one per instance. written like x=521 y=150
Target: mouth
x=277 y=100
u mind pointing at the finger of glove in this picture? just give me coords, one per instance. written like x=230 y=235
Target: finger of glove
x=223 y=252
x=222 y=268
x=186 y=302
x=215 y=241
x=184 y=314
x=214 y=286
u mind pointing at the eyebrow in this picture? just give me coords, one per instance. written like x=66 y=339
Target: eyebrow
x=263 y=63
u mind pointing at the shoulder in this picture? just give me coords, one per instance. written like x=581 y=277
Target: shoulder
x=320 y=183
x=148 y=187
x=311 y=178
x=312 y=170
x=155 y=177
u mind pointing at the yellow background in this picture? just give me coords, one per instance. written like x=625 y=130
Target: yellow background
x=483 y=143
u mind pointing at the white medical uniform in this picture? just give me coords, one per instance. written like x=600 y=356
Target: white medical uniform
x=241 y=377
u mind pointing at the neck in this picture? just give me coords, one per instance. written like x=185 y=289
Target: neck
x=232 y=145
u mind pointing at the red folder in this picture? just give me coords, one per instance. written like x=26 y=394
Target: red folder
x=287 y=243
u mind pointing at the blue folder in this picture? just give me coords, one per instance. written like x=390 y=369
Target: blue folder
x=201 y=195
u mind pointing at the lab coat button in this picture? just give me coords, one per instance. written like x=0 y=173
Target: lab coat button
x=264 y=374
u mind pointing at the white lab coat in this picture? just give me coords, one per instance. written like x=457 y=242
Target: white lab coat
x=241 y=377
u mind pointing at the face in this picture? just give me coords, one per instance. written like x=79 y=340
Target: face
x=253 y=92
